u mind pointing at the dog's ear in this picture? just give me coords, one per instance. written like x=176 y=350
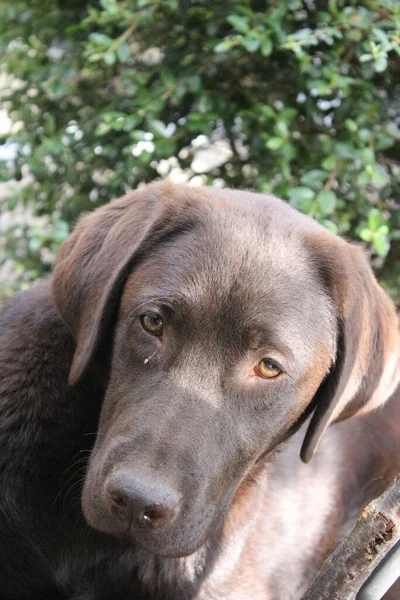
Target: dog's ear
x=94 y=262
x=367 y=362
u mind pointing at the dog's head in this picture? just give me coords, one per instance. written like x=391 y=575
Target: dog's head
x=230 y=317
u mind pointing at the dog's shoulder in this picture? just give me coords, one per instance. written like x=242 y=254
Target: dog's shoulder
x=34 y=342
x=37 y=407
x=33 y=307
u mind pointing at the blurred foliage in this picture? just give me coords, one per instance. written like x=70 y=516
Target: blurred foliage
x=298 y=98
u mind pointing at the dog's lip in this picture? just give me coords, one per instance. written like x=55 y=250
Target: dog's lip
x=190 y=549
x=149 y=539
x=149 y=544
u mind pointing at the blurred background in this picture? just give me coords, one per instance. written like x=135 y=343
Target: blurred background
x=300 y=98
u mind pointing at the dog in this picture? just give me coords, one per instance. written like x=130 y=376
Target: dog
x=157 y=393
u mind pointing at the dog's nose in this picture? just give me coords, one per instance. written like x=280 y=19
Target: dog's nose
x=138 y=502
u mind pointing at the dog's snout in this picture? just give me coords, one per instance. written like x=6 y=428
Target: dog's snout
x=140 y=502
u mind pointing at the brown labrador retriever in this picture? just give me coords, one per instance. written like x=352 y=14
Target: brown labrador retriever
x=152 y=404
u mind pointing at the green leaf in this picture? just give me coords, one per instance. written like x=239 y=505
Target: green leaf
x=106 y=4
x=367 y=155
x=223 y=47
x=363 y=179
x=239 y=23
x=302 y=198
x=288 y=114
x=319 y=87
x=102 y=129
x=110 y=58
x=266 y=47
x=381 y=244
x=157 y=127
x=274 y=143
x=35 y=244
x=111 y=116
x=281 y=129
x=367 y=235
x=343 y=150
x=364 y=135
x=49 y=125
x=330 y=225
x=327 y=201
x=251 y=44
x=289 y=153
x=95 y=57
x=267 y=110
x=58 y=88
x=131 y=122
x=123 y=52
x=329 y=163
x=100 y=39
x=313 y=178
x=365 y=57
x=194 y=83
x=380 y=65
x=381 y=35
x=351 y=125
x=383 y=230
x=139 y=135
x=380 y=176
x=375 y=219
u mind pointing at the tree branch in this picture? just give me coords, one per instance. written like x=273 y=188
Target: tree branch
x=376 y=531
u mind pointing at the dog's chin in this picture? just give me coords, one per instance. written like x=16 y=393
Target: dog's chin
x=170 y=543
x=173 y=542
x=168 y=548
x=171 y=551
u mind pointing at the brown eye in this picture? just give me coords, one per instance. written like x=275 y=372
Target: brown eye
x=268 y=369
x=152 y=323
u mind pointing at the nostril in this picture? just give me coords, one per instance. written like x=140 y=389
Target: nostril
x=118 y=500
x=136 y=501
x=151 y=514
x=118 y=504
x=156 y=516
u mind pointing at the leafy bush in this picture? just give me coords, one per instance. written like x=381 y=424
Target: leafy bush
x=298 y=98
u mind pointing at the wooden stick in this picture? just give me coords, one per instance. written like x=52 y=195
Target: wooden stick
x=376 y=531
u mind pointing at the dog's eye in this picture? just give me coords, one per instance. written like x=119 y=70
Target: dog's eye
x=268 y=368
x=152 y=323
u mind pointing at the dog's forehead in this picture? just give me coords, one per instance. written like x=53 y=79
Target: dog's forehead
x=246 y=245
x=246 y=258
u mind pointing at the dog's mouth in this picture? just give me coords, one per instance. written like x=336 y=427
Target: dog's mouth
x=178 y=541
x=190 y=530
x=173 y=547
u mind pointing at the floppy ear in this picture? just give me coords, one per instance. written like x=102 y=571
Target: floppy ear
x=95 y=260
x=367 y=364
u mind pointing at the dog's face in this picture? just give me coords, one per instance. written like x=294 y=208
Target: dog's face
x=225 y=330
x=237 y=336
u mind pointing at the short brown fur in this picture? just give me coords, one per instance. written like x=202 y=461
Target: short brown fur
x=90 y=403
